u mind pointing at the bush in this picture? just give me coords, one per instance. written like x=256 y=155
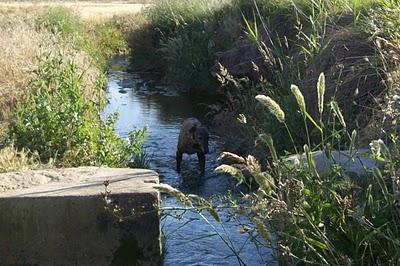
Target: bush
x=61 y=122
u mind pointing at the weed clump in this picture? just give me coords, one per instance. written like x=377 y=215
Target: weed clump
x=12 y=159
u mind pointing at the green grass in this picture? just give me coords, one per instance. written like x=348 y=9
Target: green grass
x=176 y=40
x=100 y=41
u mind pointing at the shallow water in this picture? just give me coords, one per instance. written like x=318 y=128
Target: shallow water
x=189 y=240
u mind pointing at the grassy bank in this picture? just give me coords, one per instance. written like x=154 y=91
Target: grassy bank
x=265 y=46
x=331 y=217
x=51 y=86
x=344 y=57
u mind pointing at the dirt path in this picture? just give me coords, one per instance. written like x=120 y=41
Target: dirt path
x=87 y=10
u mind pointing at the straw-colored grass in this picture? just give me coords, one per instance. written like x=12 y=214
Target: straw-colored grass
x=92 y=11
x=21 y=47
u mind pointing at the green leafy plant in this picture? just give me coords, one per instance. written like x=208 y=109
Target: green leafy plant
x=60 y=120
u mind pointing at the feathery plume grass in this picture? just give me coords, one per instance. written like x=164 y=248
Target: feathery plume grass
x=299 y=98
x=253 y=164
x=321 y=92
x=242 y=119
x=272 y=106
x=352 y=141
x=335 y=108
x=204 y=204
x=227 y=169
x=265 y=181
x=174 y=192
x=230 y=158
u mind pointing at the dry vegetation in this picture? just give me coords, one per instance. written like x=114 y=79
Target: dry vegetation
x=22 y=46
x=52 y=71
x=86 y=10
x=24 y=43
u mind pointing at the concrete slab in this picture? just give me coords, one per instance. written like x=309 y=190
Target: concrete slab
x=64 y=221
x=359 y=163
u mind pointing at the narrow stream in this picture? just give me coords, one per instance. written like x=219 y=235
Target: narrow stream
x=189 y=240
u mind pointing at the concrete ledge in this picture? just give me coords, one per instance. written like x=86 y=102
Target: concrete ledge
x=64 y=222
x=358 y=163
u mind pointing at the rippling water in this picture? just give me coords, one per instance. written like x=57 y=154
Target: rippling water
x=189 y=240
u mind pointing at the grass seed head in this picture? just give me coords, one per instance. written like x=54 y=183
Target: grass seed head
x=321 y=92
x=299 y=98
x=272 y=106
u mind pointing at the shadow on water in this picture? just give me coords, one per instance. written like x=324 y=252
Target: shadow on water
x=189 y=240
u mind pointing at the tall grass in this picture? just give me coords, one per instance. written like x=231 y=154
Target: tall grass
x=100 y=40
x=12 y=159
x=331 y=218
x=179 y=34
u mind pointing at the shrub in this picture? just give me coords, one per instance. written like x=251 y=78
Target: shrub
x=23 y=46
x=61 y=122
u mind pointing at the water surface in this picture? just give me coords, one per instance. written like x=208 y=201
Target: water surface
x=189 y=239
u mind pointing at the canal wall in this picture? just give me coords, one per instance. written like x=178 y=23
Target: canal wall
x=64 y=221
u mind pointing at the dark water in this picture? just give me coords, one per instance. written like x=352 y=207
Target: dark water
x=189 y=240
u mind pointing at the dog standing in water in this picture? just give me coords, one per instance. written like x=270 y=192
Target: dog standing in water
x=193 y=138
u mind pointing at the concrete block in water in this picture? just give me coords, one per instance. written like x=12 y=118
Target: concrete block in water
x=359 y=162
x=64 y=222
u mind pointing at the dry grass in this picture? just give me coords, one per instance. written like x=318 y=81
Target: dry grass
x=22 y=46
x=92 y=11
x=13 y=160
